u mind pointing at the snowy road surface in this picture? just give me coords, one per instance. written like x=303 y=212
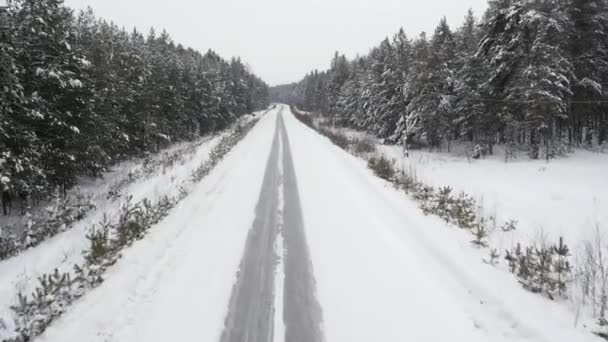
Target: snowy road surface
x=291 y=239
x=251 y=310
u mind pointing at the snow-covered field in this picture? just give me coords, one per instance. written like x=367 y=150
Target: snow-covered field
x=564 y=197
x=62 y=251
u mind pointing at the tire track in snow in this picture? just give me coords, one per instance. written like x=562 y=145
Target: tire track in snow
x=251 y=310
x=302 y=312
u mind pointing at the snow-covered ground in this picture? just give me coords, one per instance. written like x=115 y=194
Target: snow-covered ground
x=62 y=251
x=382 y=270
x=386 y=272
x=564 y=197
x=175 y=284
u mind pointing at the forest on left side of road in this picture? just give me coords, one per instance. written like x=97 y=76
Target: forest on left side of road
x=79 y=93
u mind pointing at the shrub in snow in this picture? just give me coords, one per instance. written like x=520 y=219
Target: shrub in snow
x=363 y=146
x=439 y=203
x=100 y=244
x=561 y=265
x=131 y=222
x=542 y=269
x=459 y=210
x=494 y=257
x=382 y=167
x=481 y=235
x=407 y=182
x=508 y=226
x=462 y=211
x=423 y=193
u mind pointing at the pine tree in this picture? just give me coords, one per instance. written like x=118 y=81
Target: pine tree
x=402 y=60
x=475 y=121
x=337 y=76
x=588 y=48
x=53 y=88
x=385 y=88
x=417 y=90
x=532 y=72
x=433 y=105
x=351 y=98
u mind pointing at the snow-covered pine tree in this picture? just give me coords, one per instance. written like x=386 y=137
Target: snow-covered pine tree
x=18 y=158
x=336 y=77
x=531 y=77
x=402 y=60
x=54 y=91
x=475 y=121
x=416 y=90
x=433 y=105
x=350 y=101
x=385 y=87
x=588 y=49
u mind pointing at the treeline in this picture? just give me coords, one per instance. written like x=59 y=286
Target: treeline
x=529 y=74
x=78 y=94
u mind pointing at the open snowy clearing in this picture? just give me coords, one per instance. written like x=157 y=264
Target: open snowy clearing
x=564 y=197
x=381 y=270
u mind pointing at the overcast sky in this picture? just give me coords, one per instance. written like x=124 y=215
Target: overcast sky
x=281 y=40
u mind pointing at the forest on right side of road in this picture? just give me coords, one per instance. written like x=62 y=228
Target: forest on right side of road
x=530 y=75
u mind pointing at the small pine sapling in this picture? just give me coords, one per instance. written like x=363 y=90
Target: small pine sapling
x=424 y=193
x=406 y=181
x=509 y=226
x=542 y=281
x=494 y=257
x=382 y=167
x=128 y=228
x=513 y=256
x=561 y=266
x=443 y=201
x=100 y=244
x=525 y=268
x=481 y=235
x=463 y=211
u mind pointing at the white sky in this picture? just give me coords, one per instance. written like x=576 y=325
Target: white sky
x=282 y=40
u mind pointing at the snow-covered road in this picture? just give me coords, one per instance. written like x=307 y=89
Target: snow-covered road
x=251 y=310
x=357 y=261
